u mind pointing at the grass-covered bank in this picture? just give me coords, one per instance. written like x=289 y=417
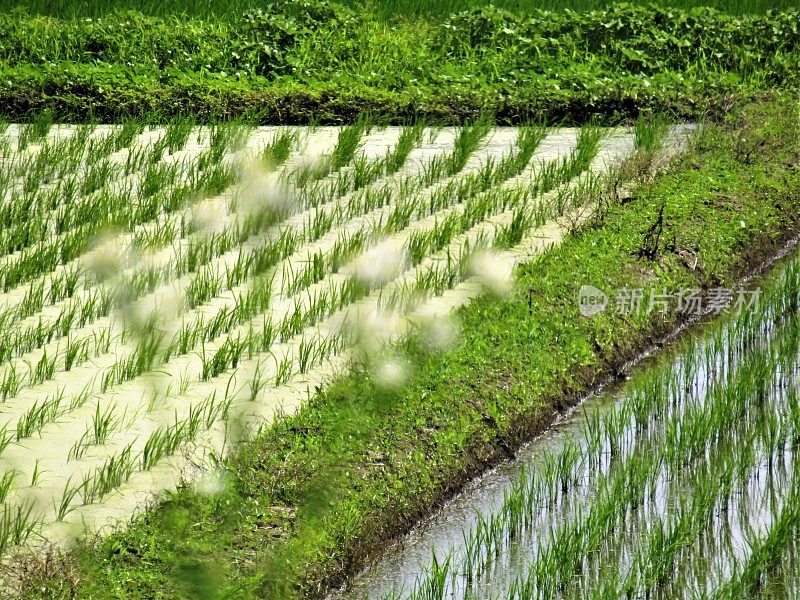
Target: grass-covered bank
x=387 y=9
x=319 y=61
x=314 y=497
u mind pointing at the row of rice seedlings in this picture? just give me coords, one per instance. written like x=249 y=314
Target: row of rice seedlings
x=103 y=423
x=766 y=551
x=176 y=134
x=27 y=373
x=161 y=234
x=63 y=158
x=152 y=350
x=78 y=202
x=713 y=436
x=36 y=130
x=350 y=140
x=652 y=568
x=519 y=504
x=100 y=173
x=116 y=470
x=445 y=271
x=147 y=362
x=467 y=141
x=20 y=341
x=40 y=415
x=305 y=311
x=165 y=441
x=347 y=144
x=410 y=138
x=278 y=140
x=371 y=199
x=122 y=212
x=17 y=524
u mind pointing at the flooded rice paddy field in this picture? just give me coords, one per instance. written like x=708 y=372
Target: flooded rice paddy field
x=160 y=283
x=682 y=484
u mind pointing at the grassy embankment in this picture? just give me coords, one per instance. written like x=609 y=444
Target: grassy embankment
x=231 y=9
x=315 y=496
x=299 y=62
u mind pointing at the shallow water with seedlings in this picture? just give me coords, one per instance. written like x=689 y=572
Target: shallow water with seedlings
x=167 y=291
x=682 y=483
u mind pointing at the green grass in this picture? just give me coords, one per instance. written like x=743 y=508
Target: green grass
x=321 y=62
x=230 y=9
x=317 y=494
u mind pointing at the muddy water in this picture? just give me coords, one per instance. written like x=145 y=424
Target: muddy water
x=747 y=513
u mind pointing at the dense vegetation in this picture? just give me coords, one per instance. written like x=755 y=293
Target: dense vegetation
x=317 y=494
x=387 y=9
x=298 y=61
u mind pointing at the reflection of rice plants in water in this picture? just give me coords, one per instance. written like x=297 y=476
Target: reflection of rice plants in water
x=160 y=282
x=687 y=487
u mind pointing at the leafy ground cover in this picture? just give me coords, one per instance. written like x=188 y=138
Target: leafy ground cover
x=318 y=494
x=302 y=61
x=230 y=9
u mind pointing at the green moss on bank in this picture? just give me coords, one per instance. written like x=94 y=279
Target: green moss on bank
x=316 y=495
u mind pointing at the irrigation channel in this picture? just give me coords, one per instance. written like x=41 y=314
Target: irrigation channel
x=680 y=483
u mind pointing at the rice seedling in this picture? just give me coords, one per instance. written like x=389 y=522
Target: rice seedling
x=6 y=482
x=410 y=137
x=649 y=132
x=280 y=148
x=284 y=370
x=102 y=424
x=16 y=525
x=350 y=139
x=36 y=130
x=65 y=505
x=39 y=415
x=115 y=471
x=36 y=473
